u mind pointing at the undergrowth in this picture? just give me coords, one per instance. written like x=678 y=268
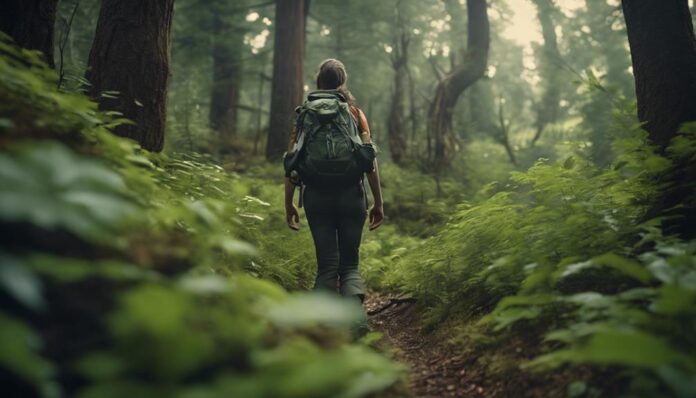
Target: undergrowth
x=125 y=273
x=128 y=274
x=566 y=251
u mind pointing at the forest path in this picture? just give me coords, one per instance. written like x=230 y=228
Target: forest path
x=440 y=368
x=435 y=369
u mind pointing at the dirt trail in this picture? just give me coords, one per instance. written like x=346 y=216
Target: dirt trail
x=439 y=368
x=435 y=369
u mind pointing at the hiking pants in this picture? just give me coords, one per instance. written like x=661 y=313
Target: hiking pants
x=336 y=219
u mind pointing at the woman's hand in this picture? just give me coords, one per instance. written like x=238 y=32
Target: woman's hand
x=376 y=216
x=292 y=217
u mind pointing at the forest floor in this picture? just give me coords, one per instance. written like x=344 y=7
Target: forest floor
x=440 y=368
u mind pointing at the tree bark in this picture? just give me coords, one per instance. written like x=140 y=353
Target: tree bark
x=130 y=55
x=472 y=68
x=548 y=109
x=287 y=85
x=503 y=135
x=30 y=23
x=663 y=51
x=227 y=71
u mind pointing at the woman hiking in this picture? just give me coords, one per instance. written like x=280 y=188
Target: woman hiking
x=330 y=151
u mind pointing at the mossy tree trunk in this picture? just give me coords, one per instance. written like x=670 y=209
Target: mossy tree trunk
x=287 y=85
x=30 y=23
x=471 y=68
x=130 y=55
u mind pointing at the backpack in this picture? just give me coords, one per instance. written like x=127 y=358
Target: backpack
x=328 y=151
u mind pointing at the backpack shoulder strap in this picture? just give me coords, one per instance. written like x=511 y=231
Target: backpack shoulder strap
x=299 y=124
x=354 y=133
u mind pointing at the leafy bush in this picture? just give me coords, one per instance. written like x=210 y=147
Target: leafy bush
x=647 y=330
x=565 y=250
x=124 y=273
x=415 y=202
x=539 y=219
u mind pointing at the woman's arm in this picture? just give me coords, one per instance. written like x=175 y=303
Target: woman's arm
x=376 y=213
x=292 y=216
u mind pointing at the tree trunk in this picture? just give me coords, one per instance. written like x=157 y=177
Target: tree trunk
x=548 y=109
x=663 y=51
x=396 y=131
x=413 y=108
x=227 y=70
x=395 y=124
x=130 y=55
x=287 y=86
x=472 y=68
x=30 y=23
x=503 y=135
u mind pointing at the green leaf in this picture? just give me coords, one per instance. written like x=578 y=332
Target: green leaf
x=52 y=188
x=615 y=346
x=256 y=200
x=577 y=389
x=18 y=352
x=303 y=310
x=625 y=266
x=205 y=284
x=20 y=282
x=675 y=300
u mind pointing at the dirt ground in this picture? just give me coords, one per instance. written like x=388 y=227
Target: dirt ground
x=439 y=368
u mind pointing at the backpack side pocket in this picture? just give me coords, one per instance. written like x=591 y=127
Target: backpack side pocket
x=365 y=156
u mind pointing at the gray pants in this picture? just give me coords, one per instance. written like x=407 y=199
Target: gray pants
x=336 y=219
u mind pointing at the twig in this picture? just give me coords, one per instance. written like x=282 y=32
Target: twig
x=392 y=302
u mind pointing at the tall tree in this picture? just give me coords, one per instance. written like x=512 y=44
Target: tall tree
x=287 y=84
x=663 y=51
x=471 y=68
x=396 y=131
x=548 y=109
x=130 y=55
x=30 y=23
x=227 y=71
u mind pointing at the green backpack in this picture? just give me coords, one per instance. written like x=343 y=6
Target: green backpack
x=328 y=151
